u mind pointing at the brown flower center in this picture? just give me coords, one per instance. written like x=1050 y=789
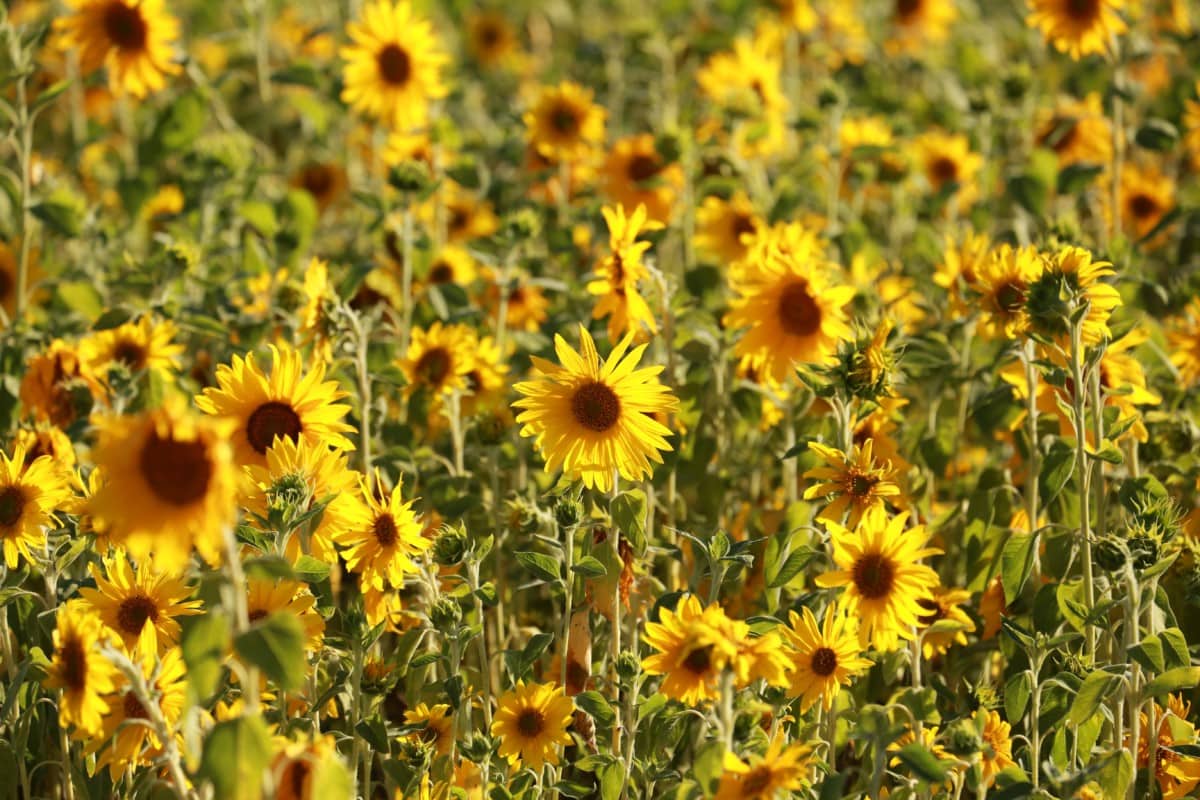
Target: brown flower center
x=272 y=420
x=1083 y=10
x=441 y=273
x=699 y=661
x=395 y=67
x=905 y=9
x=564 y=120
x=73 y=658
x=133 y=707
x=296 y=776
x=385 y=530
x=531 y=723
x=254 y=615
x=824 y=661
x=6 y=284
x=862 y=485
x=643 y=167
x=177 y=472
x=1010 y=297
x=124 y=26
x=12 y=504
x=943 y=170
x=133 y=613
x=317 y=180
x=596 y=406
x=757 y=781
x=799 y=314
x=933 y=611
x=433 y=366
x=131 y=354
x=874 y=575
x=741 y=224
x=1143 y=206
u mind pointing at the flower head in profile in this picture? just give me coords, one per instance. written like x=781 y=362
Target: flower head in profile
x=1177 y=775
x=80 y=669
x=531 y=722
x=944 y=620
x=1078 y=27
x=997 y=741
x=31 y=491
x=133 y=39
x=618 y=274
x=592 y=418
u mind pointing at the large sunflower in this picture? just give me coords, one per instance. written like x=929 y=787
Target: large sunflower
x=393 y=68
x=80 y=669
x=169 y=483
x=592 y=418
x=531 y=722
x=133 y=39
x=1002 y=283
x=142 y=345
x=139 y=606
x=724 y=226
x=438 y=359
x=287 y=404
x=795 y=314
x=857 y=481
x=1078 y=27
x=822 y=658
x=636 y=174
x=693 y=649
x=779 y=772
x=383 y=546
x=30 y=493
x=619 y=272
x=565 y=124
x=879 y=566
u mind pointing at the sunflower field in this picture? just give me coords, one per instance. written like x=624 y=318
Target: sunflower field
x=685 y=399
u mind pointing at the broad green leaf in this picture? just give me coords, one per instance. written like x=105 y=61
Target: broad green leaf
x=543 y=566
x=597 y=706
x=791 y=567
x=709 y=765
x=1116 y=775
x=612 y=780
x=275 y=645
x=1173 y=680
x=589 y=567
x=628 y=511
x=1149 y=653
x=235 y=754
x=204 y=644
x=1016 y=562
x=1175 y=649
x=1096 y=687
x=1057 y=466
x=1016 y=695
x=924 y=764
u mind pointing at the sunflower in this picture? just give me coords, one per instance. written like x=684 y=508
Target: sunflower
x=491 y=39
x=316 y=328
x=564 y=123
x=438 y=359
x=930 y=739
x=746 y=79
x=301 y=476
x=944 y=605
x=619 y=272
x=125 y=736
x=169 y=483
x=287 y=404
x=1183 y=337
x=143 y=345
x=30 y=493
x=438 y=733
x=948 y=165
x=1078 y=27
x=531 y=722
x=787 y=299
x=693 y=649
x=636 y=174
x=139 y=606
x=1002 y=283
x=487 y=381
x=8 y=280
x=393 y=68
x=386 y=605
x=1177 y=774
x=857 y=481
x=467 y=215
x=1077 y=131
x=1073 y=271
x=167 y=202
x=325 y=182
x=997 y=740
x=1146 y=195
x=382 y=548
x=133 y=39
x=300 y=37
x=777 y=773
x=916 y=24
x=80 y=669
x=958 y=271
x=526 y=308
x=822 y=657
x=47 y=440
x=454 y=266
x=592 y=418
x=58 y=386
x=723 y=226
x=265 y=597
x=299 y=766
x=879 y=426
x=879 y=565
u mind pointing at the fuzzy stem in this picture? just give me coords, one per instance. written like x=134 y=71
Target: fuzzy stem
x=1034 y=457
x=1082 y=471
x=568 y=532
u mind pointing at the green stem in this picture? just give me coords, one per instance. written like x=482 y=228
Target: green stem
x=1083 y=472
x=407 y=278
x=569 y=581
x=1034 y=457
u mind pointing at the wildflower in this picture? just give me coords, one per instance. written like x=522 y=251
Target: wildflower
x=997 y=740
x=143 y=345
x=1146 y=195
x=724 y=226
x=636 y=175
x=58 y=386
x=823 y=657
x=324 y=182
x=133 y=39
x=531 y=722
x=140 y=606
x=438 y=359
x=916 y=24
x=949 y=165
x=382 y=547
x=1003 y=283
x=944 y=605
x=565 y=124
x=438 y=733
x=776 y=773
x=265 y=597
x=1077 y=131
x=299 y=767
x=619 y=272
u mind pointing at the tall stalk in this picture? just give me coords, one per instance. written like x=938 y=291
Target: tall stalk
x=1083 y=473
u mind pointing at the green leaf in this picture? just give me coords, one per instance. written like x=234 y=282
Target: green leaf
x=311 y=570
x=1096 y=686
x=628 y=511
x=1016 y=562
x=922 y=763
x=1157 y=134
x=1116 y=775
x=541 y=565
x=597 y=706
x=612 y=780
x=1149 y=653
x=1016 y=695
x=534 y=648
x=589 y=567
x=1074 y=178
x=791 y=567
x=332 y=779
x=261 y=217
x=1108 y=452
x=1173 y=680
x=709 y=765
x=235 y=754
x=181 y=123
x=62 y=212
x=269 y=567
x=1030 y=193
x=1057 y=467
x=1175 y=649
x=204 y=644
x=276 y=646
x=1071 y=603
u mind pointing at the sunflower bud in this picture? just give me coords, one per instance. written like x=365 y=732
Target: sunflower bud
x=963 y=739
x=523 y=224
x=1109 y=555
x=669 y=146
x=628 y=666
x=477 y=747
x=411 y=177
x=568 y=511
x=450 y=547
x=445 y=615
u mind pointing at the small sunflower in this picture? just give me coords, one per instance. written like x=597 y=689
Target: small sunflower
x=133 y=39
x=169 y=483
x=526 y=306
x=487 y=380
x=467 y=215
x=298 y=766
x=438 y=733
x=80 y=669
x=531 y=722
x=147 y=344
x=1183 y=337
x=1177 y=774
x=1002 y=284
x=491 y=39
x=565 y=124
x=1078 y=27
x=746 y=79
x=879 y=566
x=693 y=649
x=438 y=359
x=619 y=272
x=997 y=740
x=382 y=548
x=961 y=264
x=30 y=493
x=58 y=386
x=1191 y=130
x=454 y=266
x=47 y=440
x=857 y=481
x=777 y=773
x=286 y=404
x=822 y=657
x=724 y=226
x=393 y=67
x=637 y=175
x=946 y=160
x=945 y=605
x=1077 y=131
x=1146 y=195
x=592 y=418
x=326 y=182
x=1073 y=271
x=916 y=24
x=265 y=597
x=141 y=606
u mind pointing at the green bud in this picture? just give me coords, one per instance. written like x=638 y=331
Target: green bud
x=1109 y=555
x=445 y=615
x=568 y=511
x=669 y=146
x=410 y=177
x=523 y=223
x=628 y=666
x=450 y=547
x=963 y=739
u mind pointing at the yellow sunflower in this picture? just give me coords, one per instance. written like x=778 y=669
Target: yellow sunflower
x=531 y=722
x=47 y=440
x=467 y=215
x=287 y=404
x=917 y=24
x=123 y=731
x=265 y=597
x=592 y=418
x=636 y=175
x=693 y=649
x=1077 y=131
x=438 y=359
x=316 y=329
x=946 y=159
x=487 y=380
x=133 y=39
x=565 y=124
x=143 y=345
x=526 y=308
x=140 y=606
x=857 y=481
x=30 y=493
x=945 y=605
x=879 y=566
x=1078 y=27
x=169 y=483
x=1002 y=283
x=1146 y=195
x=80 y=669
x=1075 y=270
x=961 y=263
x=619 y=272
x=997 y=740
x=393 y=68
x=438 y=733
x=745 y=79
x=383 y=546
x=992 y=608
x=325 y=182
x=794 y=312
x=777 y=773
x=822 y=657
x=303 y=475
x=454 y=266
x=58 y=386
x=724 y=226
x=1177 y=775
x=1191 y=129
x=1183 y=337
x=491 y=39
x=299 y=766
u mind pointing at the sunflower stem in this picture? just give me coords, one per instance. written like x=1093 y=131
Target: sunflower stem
x=1034 y=457
x=1082 y=470
x=241 y=614
x=25 y=164
x=727 y=710
x=262 y=52
x=67 y=779
x=616 y=625
x=407 y=276
x=362 y=339
x=568 y=532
